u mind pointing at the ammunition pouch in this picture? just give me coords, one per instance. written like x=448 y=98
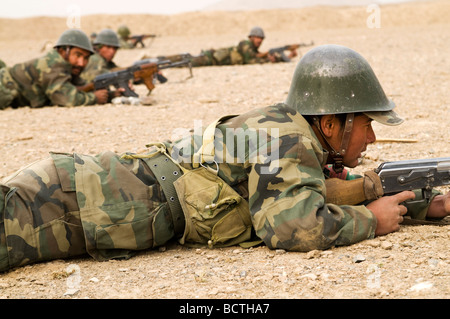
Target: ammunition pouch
x=215 y=214
x=221 y=55
x=236 y=57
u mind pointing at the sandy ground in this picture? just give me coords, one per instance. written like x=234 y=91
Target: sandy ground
x=410 y=55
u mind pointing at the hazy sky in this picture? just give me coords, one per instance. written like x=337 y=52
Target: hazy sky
x=62 y=8
x=65 y=8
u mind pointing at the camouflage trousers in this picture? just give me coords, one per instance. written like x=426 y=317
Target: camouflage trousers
x=70 y=204
x=224 y=56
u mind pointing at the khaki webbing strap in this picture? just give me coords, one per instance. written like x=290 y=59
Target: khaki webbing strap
x=205 y=153
x=166 y=173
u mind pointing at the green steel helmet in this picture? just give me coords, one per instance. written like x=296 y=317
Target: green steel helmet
x=257 y=32
x=74 y=38
x=333 y=79
x=107 y=37
x=124 y=32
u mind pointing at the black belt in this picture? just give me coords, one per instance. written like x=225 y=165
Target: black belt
x=166 y=173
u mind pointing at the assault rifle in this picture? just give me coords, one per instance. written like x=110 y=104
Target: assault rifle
x=395 y=177
x=139 y=39
x=121 y=79
x=166 y=64
x=289 y=47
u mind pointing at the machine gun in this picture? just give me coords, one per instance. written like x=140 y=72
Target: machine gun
x=120 y=79
x=139 y=39
x=395 y=177
x=289 y=47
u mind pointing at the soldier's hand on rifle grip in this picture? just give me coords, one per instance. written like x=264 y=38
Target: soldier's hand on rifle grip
x=389 y=212
x=101 y=96
x=272 y=58
x=439 y=206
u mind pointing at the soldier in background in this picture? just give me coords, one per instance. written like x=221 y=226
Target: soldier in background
x=53 y=78
x=112 y=205
x=124 y=33
x=2 y=64
x=106 y=44
x=246 y=52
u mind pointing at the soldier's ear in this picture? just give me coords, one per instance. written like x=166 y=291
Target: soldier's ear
x=64 y=51
x=328 y=125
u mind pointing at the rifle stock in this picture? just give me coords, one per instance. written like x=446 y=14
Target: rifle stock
x=343 y=192
x=146 y=74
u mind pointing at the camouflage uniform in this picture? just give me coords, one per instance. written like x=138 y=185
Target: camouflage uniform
x=97 y=65
x=2 y=64
x=244 y=53
x=110 y=206
x=124 y=44
x=42 y=81
x=249 y=52
x=124 y=32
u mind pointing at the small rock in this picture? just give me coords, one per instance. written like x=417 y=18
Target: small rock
x=358 y=259
x=94 y=279
x=374 y=243
x=309 y=276
x=312 y=254
x=421 y=286
x=280 y=251
x=70 y=292
x=386 y=245
x=213 y=292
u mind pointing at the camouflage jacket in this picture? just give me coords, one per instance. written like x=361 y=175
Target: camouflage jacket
x=249 y=52
x=273 y=155
x=48 y=81
x=97 y=65
x=124 y=44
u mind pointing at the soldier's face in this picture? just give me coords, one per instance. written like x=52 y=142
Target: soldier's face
x=256 y=41
x=362 y=135
x=107 y=52
x=78 y=58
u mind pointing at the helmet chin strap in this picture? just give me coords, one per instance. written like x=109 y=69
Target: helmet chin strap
x=338 y=156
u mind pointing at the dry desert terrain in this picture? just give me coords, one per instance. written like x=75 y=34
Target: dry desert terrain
x=409 y=52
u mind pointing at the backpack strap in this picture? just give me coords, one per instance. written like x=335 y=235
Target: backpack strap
x=205 y=153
